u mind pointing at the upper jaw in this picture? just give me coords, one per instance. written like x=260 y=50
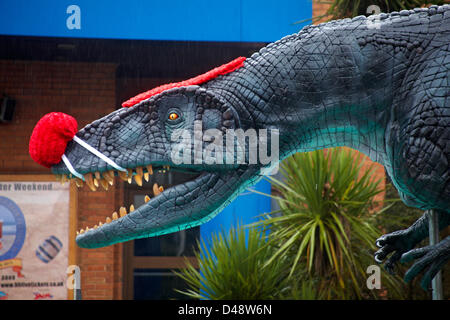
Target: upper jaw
x=105 y=178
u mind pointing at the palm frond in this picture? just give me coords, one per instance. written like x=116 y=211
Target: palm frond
x=323 y=225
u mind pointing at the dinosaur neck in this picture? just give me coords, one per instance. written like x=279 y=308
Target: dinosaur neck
x=319 y=89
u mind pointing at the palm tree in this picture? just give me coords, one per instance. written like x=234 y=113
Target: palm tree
x=325 y=225
x=340 y=9
x=233 y=269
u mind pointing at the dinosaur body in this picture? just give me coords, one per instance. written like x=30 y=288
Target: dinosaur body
x=379 y=85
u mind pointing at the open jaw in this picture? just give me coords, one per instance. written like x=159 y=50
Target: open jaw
x=178 y=207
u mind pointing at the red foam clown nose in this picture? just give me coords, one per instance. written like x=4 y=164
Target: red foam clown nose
x=50 y=136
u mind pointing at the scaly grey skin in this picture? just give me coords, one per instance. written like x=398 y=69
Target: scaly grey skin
x=379 y=85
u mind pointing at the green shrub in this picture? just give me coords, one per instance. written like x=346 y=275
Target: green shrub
x=233 y=269
x=325 y=225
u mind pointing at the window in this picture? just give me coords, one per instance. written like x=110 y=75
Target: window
x=148 y=262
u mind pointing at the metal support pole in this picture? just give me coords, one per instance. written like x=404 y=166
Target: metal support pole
x=74 y=281
x=77 y=286
x=436 y=283
x=76 y=294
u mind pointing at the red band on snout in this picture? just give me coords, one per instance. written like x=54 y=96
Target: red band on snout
x=50 y=136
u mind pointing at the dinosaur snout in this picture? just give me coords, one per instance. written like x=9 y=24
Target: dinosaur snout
x=50 y=136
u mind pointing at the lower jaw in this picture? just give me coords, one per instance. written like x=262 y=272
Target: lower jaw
x=123 y=228
x=148 y=177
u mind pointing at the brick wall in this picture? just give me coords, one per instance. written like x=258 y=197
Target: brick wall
x=87 y=92
x=319 y=9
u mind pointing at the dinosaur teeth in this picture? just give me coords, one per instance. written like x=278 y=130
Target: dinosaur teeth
x=79 y=182
x=148 y=173
x=64 y=179
x=90 y=181
x=115 y=216
x=138 y=179
x=139 y=175
x=109 y=176
x=139 y=171
x=123 y=175
x=104 y=184
x=157 y=190
x=96 y=179
x=130 y=175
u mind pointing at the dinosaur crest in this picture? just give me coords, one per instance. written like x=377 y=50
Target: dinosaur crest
x=205 y=77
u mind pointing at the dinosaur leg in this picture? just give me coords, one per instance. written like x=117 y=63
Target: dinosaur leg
x=402 y=241
x=430 y=260
x=419 y=154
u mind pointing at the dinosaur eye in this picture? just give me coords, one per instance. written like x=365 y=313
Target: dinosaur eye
x=173 y=116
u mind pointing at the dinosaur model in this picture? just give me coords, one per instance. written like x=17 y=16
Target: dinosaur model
x=377 y=84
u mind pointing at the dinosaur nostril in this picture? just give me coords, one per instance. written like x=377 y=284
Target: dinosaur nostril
x=50 y=136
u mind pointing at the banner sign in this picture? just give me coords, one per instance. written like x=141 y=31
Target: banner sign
x=195 y=20
x=34 y=224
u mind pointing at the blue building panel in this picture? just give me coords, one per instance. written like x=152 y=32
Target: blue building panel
x=244 y=210
x=194 y=20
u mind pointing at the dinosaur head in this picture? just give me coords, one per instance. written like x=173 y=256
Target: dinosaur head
x=167 y=130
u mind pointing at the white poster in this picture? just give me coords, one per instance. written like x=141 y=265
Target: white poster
x=34 y=224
